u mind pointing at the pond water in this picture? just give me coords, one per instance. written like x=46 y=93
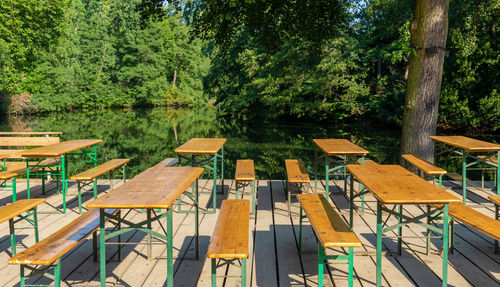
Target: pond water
x=146 y=136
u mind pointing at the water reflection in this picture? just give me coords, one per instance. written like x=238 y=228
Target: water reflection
x=148 y=135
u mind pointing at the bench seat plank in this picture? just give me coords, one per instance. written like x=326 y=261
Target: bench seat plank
x=491 y=159
x=423 y=165
x=12 y=210
x=330 y=228
x=495 y=199
x=56 y=245
x=230 y=238
x=369 y=162
x=100 y=169
x=244 y=170
x=296 y=171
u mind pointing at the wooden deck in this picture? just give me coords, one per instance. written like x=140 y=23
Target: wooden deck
x=273 y=256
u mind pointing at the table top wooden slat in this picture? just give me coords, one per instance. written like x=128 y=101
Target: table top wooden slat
x=426 y=167
x=100 y=169
x=156 y=187
x=296 y=171
x=392 y=184
x=245 y=170
x=12 y=210
x=230 y=238
x=57 y=244
x=330 y=228
x=28 y=141
x=58 y=149
x=201 y=146
x=30 y=133
x=466 y=143
x=495 y=199
x=339 y=147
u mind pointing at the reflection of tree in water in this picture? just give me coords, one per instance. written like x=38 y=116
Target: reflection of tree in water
x=147 y=136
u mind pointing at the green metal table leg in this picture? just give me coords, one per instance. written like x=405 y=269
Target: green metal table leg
x=214 y=272
x=95 y=188
x=321 y=263
x=79 y=197
x=64 y=178
x=445 y=245
x=289 y=198
x=253 y=196
x=222 y=168
x=196 y=218
x=351 y=265
x=243 y=272
x=28 y=190
x=497 y=217
x=300 y=229
x=464 y=177
x=214 y=191
x=102 y=248
x=379 y=244
x=149 y=236
x=327 y=188
x=345 y=173
x=43 y=184
x=14 y=189
x=400 y=229
x=170 y=270
x=35 y=223
x=23 y=278
x=361 y=187
x=12 y=236
x=498 y=173
x=428 y=236
x=57 y=274
x=351 y=203
x=452 y=235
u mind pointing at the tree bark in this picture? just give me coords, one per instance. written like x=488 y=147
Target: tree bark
x=428 y=28
x=175 y=71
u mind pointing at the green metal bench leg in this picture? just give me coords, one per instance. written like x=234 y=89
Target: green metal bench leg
x=243 y=272
x=57 y=274
x=12 y=236
x=351 y=266
x=236 y=191
x=445 y=245
x=23 y=278
x=253 y=196
x=214 y=272
x=321 y=264
x=440 y=181
x=327 y=179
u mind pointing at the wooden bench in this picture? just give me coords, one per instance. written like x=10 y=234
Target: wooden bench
x=426 y=167
x=11 y=143
x=296 y=174
x=229 y=243
x=330 y=229
x=90 y=176
x=11 y=211
x=48 y=252
x=473 y=218
x=245 y=173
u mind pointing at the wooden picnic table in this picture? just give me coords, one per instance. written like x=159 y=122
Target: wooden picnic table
x=60 y=150
x=464 y=146
x=394 y=185
x=206 y=152
x=155 y=188
x=339 y=151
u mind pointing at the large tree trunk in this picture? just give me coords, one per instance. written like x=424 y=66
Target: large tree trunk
x=428 y=30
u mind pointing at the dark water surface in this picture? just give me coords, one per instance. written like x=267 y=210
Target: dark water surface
x=146 y=136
